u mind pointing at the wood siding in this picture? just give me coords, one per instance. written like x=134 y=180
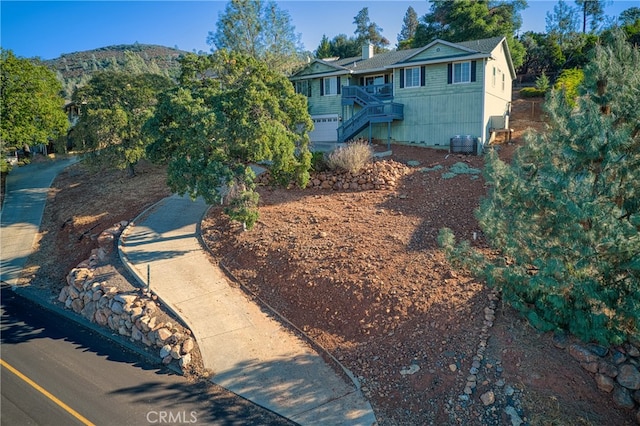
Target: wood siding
x=438 y=50
x=318 y=104
x=438 y=111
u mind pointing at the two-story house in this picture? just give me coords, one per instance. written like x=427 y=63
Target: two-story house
x=425 y=95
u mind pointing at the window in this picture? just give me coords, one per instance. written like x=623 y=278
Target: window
x=330 y=86
x=493 y=81
x=412 y=77
x=503 y=82
x=462 y=72
x=374 y=80
x=303 y=87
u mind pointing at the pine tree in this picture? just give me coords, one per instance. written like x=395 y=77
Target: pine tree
x=408 y=31
x=324 y=49
x=565 y=214
x=259 y=29
x=368 y=31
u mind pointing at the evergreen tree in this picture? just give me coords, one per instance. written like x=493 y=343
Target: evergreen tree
x=408 y=31
x=342 y=46
x=457 y=21
x=629 y=16
x=593 y=9
x=258 y=29
x=368 y=31
x=563 y=21
x=210 y=129
x=324 y=49
x=565 y=215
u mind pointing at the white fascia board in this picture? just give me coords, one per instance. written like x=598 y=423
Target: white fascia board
x=321 y=75
x=369 y=70
x=447 y=60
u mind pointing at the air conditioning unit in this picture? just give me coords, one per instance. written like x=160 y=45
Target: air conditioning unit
x=463 y=145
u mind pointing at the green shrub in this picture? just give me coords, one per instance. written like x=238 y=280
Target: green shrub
x=542 y=83
x=319 y=162
x=351 y=157
x=5 y=167
x=532 y=92
x=569 y=81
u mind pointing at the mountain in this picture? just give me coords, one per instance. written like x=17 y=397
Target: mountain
x=75 y=69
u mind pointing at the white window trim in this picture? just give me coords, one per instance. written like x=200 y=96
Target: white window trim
x=302 y=87
x=332 y=84
x=373 y=77
x=406 y=81
x=453 y=71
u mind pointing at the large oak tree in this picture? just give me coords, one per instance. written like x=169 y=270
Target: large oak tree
x=115 y=106
x=31 y=106
x=230 y=111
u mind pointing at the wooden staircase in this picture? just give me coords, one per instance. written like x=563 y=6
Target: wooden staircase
x=376 y=106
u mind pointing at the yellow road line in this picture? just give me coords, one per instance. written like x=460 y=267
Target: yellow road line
x=39 y=388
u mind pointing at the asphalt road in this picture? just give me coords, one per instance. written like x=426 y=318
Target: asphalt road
x=56 y=372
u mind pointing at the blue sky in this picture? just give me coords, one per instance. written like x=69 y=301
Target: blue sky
x=50 y=28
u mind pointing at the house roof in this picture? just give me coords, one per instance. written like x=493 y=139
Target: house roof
x=381 y=61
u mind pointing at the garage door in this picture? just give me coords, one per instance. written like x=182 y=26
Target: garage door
x=325 y=128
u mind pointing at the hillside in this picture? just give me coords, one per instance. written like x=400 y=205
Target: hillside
x=75 y=69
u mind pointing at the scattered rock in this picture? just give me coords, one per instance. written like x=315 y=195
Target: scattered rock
x=516 y=420
x=488 y=398
x=414 y=368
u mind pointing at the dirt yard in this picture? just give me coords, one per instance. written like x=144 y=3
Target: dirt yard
x=361 y=273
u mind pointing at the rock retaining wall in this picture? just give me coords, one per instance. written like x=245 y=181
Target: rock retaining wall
x=379 y=175
x=615 y=370
x=133 y=314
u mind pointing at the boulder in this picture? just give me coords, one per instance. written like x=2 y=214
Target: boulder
x=607 y=369
x=150 y=308
x=116 y=307
x=165 y=351
x=605 y=383
x=582 y=354
x=175 y=351
x=64 y=293
x=100 y=317
x=163 y=334
x=187 y=345
x=629 y=376
x=77 y=305
x=136 y=334
x=185 y=361
x=89 y=310
x=622 y=398
x=125 y=298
